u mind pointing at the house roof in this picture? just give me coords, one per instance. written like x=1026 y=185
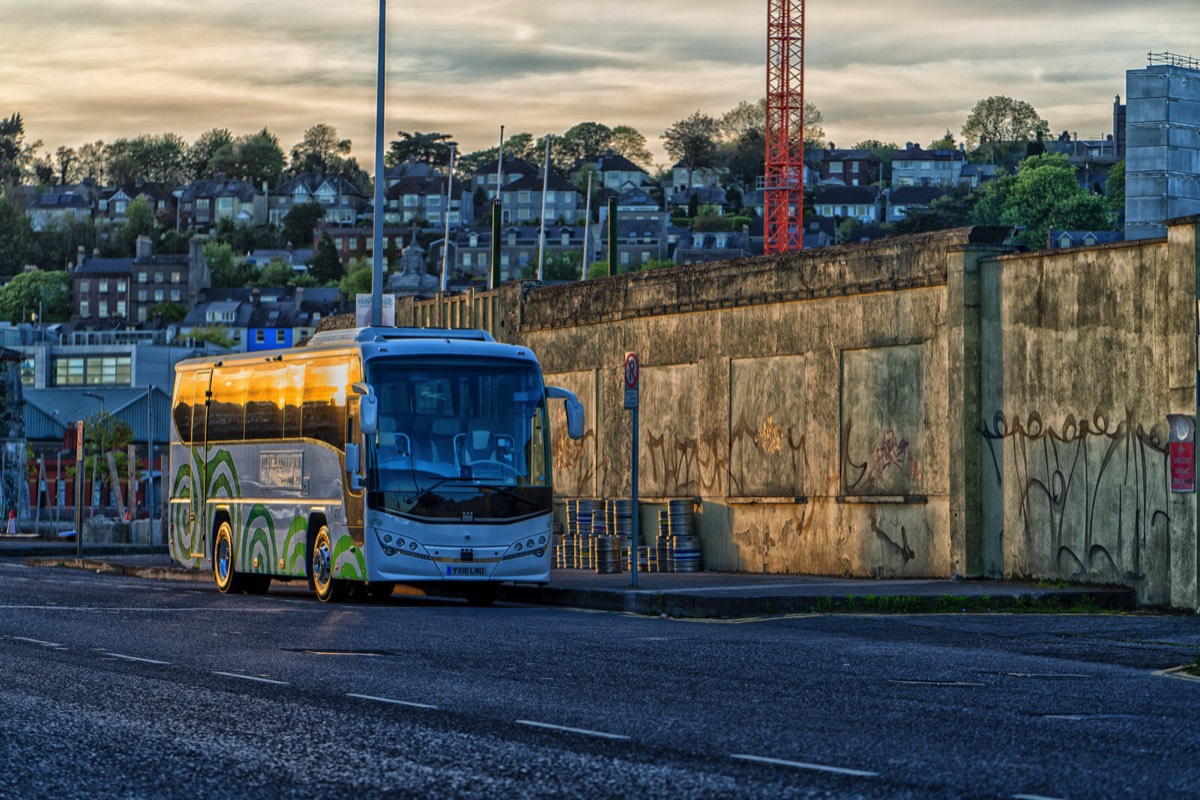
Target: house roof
x=915 y=153
x=916 y=195
x=219 y=188
x=848 y=195
x=512 y=166
x=312 y=181
x=851 y=155
x=105 y=266
x=533 y=183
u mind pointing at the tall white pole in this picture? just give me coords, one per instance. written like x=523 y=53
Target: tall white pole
x=380 y=178
x=545 y=187
x=446 y=241
x=587 y=232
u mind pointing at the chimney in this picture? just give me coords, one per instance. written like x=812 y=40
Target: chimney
x=143 y=247
x=80 y=255
x=256 y=297
x=299 y=297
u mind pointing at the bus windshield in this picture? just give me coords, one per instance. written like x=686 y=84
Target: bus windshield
x=465 y=441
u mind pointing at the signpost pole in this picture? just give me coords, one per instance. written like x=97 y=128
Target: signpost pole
x=79 y=489
x=632 y=370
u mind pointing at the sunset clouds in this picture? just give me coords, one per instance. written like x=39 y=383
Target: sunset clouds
x=901 y=71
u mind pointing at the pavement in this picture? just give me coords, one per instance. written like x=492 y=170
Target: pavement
x=674 y=594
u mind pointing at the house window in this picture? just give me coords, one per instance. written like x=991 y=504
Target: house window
x=411 y=201
x=142 y=314
x=158 y=277
x=158 y=295
x=835 y=168
x=176 y=295
x=280 y=337
x=523 y=197
x=176 y=277
x=549 y=197
x=85 y=286
x=93 y=371
x=224 y=204
x=103 y=287
x=141 y=295
x=466 y=259
x=433 y=200
x=122 y=286
x=260 y=336
x=28 y=371
x=142 y=276
x=84 y=311
x=120 y=308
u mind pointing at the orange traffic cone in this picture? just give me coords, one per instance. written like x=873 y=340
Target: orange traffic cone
x=12 y=521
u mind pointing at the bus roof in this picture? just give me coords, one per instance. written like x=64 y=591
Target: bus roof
x=372 y=342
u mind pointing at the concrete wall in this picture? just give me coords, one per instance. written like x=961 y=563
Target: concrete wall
x=936 y=405
x=1085 y=352
x=802 y=401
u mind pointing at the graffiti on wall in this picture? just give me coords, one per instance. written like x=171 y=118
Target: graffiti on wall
x=685 y=465
x=1091 y=493
x=883 y=412
x=767 y=456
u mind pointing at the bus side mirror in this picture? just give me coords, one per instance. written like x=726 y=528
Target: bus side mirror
x=368 y=409
x=354 y=465
x=574 y=410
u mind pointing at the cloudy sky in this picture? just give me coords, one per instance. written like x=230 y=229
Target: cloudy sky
x=902 y=70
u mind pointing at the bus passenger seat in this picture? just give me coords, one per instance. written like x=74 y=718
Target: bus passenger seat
x=441 y=439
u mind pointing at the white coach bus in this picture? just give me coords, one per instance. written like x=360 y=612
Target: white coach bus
x=368 y=457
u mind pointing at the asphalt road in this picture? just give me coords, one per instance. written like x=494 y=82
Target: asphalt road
x=117 y=687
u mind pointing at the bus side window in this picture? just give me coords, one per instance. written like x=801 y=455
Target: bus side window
x=184 y=387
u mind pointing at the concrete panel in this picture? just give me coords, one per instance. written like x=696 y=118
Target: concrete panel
x=574 y=459
x=883 y=431
x=767 y=445
x=673 y=454
x=1145 y=136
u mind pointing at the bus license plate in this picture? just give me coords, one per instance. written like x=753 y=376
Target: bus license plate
x=466 y=572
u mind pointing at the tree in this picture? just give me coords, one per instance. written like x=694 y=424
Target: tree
x=1044 y=194
x=105 y=434
x=256 y=159
x=57 y=245
x=160 y=158
x=280 y=273
x=327 y=265
x=321 y=148
x=945 y=143
x=46 y=292
x=16 y=156
x=629 y=142
x=227 y=270
x=1004 y=123
x=299 y=223
x=202 y=151
x=1114 y=187
x=587 y=140
x=168 y=312
x=17 y=247
x=65 y=165
x=425 y=148
x=359 y=274
x=92 y=161
x=693 y=142
x=213 y=334
x=139 y=221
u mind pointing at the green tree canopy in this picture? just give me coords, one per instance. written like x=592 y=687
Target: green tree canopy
x=40 y=291
x=321 y=148
x=1001 y=124
x=256 y=159
x=425 y=148
x=139 y=221
x=16 y=155
x=228 y=271
x=587 y=140
x=1044 y=194
x=327 y=265
x=168 y=312
x=1114 y=187
x=17 y=246
x=202 y=151
x=357 y=279
x=693 y=142
x=299 y=223
x=628 y=141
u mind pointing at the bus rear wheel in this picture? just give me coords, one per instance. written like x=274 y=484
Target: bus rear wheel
x=329 y=589
x=224 y=568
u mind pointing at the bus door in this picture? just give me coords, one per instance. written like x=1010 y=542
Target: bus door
x=199 y=458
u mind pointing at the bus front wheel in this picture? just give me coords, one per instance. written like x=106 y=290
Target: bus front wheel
x=329 y=589
x=224 y=569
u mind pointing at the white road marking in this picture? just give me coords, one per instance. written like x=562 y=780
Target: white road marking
x=34 y=641
x=804 y=765
x=1034 y=797
x=583 y=731
x=1071 y=717
x=1043 y=674
x=392 y=701
x=250 y=678
x=933 y=683
x=135 y=658
x=1180 y=672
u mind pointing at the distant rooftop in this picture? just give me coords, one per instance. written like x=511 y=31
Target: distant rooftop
x=1174 y=60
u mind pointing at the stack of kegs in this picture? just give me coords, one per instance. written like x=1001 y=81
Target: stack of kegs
x=583 y=532
x=620 y=525
x=607 y=548
x=681 y=521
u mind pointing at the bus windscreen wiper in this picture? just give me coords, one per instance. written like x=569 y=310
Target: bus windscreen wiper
x=510 y=493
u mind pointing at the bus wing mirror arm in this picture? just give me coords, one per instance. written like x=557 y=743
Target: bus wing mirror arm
x=574 y=410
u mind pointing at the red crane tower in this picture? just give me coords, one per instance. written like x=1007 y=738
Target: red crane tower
x=784 y=182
